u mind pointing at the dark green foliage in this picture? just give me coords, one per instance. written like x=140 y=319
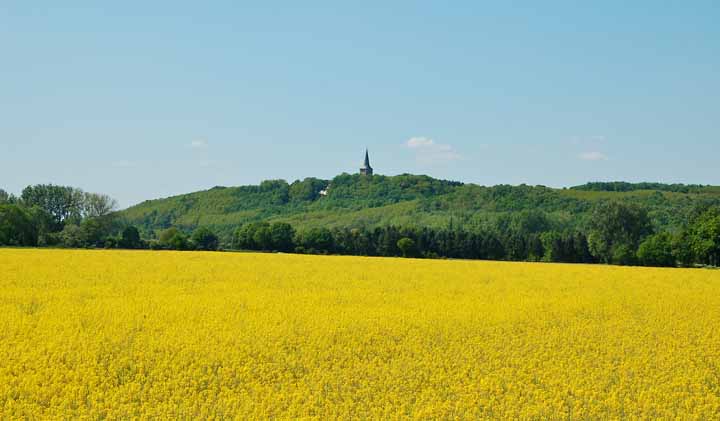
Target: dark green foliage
x=657 y=250
x=244 y=237
x=95 y=230
x=277 y=236
x=17 y=227
x=173 y=239
x=353 y=201
x=62 y=202
x=622 y=186
x=352 y=190
x=615 y=231
x=179 y=241
x=703 y=237
x=72 y=236
x=130 y=238
x=316 y=240
x=166 y=235
x=407 y=247
x=204 y=239
x=253 y=236
x=307 y=190
x=6 y=198
x=262 y=237
x=281 y=236
x=44 y=224
x=97 y=205
x=405 y=215
x=622 y=254
x=277 y=190
x=111 y=243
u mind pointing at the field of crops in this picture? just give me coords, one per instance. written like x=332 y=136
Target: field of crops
x=109 y=334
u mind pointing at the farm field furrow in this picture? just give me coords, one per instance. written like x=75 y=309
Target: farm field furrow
x=127 y=334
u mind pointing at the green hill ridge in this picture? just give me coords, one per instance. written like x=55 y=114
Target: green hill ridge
x=357 y=201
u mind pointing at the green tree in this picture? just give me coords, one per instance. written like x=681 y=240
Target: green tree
x=62 y=202
x=553 y=246
x=316 y=240
x=173 y=238
x=279 y=190
x=615 y=231
x=97 y=205
x=407 y=247
x=281 y=236
x=44 y=224
x=94 y=231
x=681 y=248
x=657 y=250
x=179 y=241
x=704 y=237
x=165 y=235
x=244 y=237
x=72 y=236
x=130 y=238
x=262 y=237
x=307 y=190
x=5 y=198
x=204 y=239
x=17 y=227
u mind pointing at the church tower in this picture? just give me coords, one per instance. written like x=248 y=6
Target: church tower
x=366 y=169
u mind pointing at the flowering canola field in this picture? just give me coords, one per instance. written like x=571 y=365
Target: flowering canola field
x=140 y=334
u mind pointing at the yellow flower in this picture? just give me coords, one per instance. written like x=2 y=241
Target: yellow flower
x=140 y=334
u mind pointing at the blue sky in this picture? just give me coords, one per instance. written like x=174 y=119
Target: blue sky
x=141 y=100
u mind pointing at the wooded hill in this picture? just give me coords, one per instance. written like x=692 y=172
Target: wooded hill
x=355 y=201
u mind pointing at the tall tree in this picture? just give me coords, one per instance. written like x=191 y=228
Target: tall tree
x=62 y=202
x=173 y=238
x=262 y=237
x=130 y=238
x=615 y=231
x=204 y=239
x=657 y=250
x=704 y=237
x=243 y=237
x=16 y=227
x=73 y=236
x=281 y=236
x=406 y=246
x=317 y=240
x=95 y=204
x=307 y=190
x=5 y=197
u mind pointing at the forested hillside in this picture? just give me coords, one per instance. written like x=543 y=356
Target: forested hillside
x=354 y=201
x=622 y=223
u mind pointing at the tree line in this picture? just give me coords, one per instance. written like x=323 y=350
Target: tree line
x=61 y=216
x=623 y=186
x=614 y=233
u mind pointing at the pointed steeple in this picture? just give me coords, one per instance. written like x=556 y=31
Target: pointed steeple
x=366 y=168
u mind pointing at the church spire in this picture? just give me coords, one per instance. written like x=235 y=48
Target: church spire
x=366 y=169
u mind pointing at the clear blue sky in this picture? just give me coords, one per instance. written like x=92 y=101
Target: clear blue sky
x=141 y=99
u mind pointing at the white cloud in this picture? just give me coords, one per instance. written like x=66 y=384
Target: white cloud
x=593 y=156
x=199 y=144
x=428 y=152
x=419 y=142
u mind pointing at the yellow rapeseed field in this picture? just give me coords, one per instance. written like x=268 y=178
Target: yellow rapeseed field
x=140 y=334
